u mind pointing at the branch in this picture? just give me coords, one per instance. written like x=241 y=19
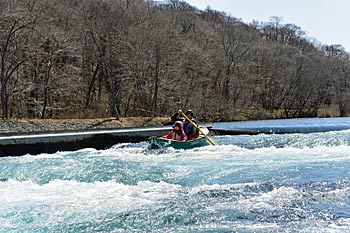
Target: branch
x=10 y=72
x=101 y=122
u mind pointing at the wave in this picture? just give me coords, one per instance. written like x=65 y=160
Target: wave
x=162 y=206
x=211 y=164
x=128 y=152
x=71 y=192
x=330 y=139
x=69 y=202
x=277 y=196
x=256 y=204
x=247 y=183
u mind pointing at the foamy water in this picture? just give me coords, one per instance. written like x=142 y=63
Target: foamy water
x=262 y=183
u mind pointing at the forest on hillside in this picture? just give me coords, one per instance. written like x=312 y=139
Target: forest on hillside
x=121 y=58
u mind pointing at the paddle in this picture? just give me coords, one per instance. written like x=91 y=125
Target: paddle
x=210 y=140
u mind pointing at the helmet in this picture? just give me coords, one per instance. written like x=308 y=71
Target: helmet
x=189 y=111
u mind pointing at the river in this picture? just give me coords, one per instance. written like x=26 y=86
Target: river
x=298 y=182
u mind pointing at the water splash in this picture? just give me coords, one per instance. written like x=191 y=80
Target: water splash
x=262 y=183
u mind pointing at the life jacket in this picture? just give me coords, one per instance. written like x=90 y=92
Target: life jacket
x=177 y=135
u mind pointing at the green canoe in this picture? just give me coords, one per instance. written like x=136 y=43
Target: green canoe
x=158 y=143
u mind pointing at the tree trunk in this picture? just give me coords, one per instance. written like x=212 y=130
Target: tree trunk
x=4 y=101
x=114 y=106
x=46 y=88
x=342 y=109
x=156 y=84
x=88 y=99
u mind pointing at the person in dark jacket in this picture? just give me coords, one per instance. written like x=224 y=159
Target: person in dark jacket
x=176 y=117
x=190 y=131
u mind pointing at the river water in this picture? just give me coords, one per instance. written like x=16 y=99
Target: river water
x=263 y=183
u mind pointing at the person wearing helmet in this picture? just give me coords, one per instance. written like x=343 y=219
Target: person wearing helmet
x=190 y=130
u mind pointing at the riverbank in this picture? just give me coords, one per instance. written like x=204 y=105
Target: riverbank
x=12 y=127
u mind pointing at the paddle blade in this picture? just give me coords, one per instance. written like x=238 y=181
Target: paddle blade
x=205 y=131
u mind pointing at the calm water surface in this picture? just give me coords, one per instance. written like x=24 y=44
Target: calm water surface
x=264 y=183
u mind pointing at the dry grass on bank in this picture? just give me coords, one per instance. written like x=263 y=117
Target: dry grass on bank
x=38 y=125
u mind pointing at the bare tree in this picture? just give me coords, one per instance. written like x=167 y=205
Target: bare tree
x=16 y=27
x=94 y=58
x=339 y=66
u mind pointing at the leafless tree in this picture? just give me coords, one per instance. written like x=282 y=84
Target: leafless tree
x=94 y=58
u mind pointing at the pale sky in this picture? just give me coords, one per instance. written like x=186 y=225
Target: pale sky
x=327 y=21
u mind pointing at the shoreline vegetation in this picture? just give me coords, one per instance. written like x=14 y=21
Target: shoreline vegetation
x=30 y=126
x=94 y=59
